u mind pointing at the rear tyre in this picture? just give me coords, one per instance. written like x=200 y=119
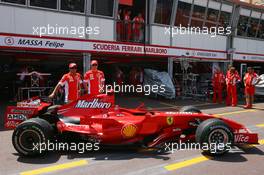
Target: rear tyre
x=30 y=134
x=214 y=136
x=191 y=109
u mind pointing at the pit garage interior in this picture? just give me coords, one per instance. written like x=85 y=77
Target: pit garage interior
x=56 y=64
x=53 y=65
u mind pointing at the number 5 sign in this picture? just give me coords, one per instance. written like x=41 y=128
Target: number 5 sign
x=9 y=41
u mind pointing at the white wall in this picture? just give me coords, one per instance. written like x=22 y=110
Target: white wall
x=188 y=40
x=249 y=46
x=106 y=28
x=21 y=20
x=159 y=37
x=200 y=41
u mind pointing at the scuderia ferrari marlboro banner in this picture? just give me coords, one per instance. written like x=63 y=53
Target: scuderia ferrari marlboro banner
x=78 y=45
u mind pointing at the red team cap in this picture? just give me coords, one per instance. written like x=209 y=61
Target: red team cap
x=94 y=62
x=72 y=65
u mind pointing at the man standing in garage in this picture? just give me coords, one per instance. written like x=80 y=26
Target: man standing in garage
x=71 y=83
x=250 y=80
x=218 y=81
x=232 y=78
x=94 y=80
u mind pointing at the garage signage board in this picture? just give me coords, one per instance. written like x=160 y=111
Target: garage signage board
x=26 y=42
x=248 y=57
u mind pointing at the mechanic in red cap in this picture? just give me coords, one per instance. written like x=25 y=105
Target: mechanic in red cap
x=250 y=80
x=94 y=79
x=71 y=83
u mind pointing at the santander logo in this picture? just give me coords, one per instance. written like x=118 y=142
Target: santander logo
x=95 y=104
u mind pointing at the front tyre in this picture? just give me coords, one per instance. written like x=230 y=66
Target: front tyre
x=28 y=137
x=214 y=136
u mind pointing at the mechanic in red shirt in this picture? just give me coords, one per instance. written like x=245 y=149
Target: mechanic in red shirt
x=228 y=70
x=119 y=76
x=232 y=78
x=71 y=83
x=119 y=26
x=133 y=74
x=250 y=80
x=94 y=80
x=137 y=27
x=218 y=81
x=128 y=26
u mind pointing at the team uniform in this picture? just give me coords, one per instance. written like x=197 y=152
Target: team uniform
x=119 y=27
x=228 y=73
x=95 y=80
x=136 y=77
x=137 y=26
x=218 y=80
x=119 y=77
x=71 y=85
x=250 y=80
x=128 y=27
x=231 y=81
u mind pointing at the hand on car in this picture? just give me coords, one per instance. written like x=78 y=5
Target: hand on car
x=51 y=96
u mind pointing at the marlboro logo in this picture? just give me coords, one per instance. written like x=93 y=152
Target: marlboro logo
x=95 y=104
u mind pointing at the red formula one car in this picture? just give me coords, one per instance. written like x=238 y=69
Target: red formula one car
x=98 y=119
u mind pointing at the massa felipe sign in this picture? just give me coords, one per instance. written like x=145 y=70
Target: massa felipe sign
x=35 y=43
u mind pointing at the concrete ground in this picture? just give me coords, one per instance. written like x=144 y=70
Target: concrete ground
x=127 y=161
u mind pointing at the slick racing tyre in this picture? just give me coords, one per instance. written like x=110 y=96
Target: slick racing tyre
x=190 y=109
x=30 y=135
x=214 y=136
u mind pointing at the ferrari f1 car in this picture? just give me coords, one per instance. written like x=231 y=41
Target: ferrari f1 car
x=98 y=119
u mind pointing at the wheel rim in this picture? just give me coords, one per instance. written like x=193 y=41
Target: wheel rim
x=28 y=138
x=216 y=137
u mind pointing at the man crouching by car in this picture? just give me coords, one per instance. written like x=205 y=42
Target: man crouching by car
x=71 y=83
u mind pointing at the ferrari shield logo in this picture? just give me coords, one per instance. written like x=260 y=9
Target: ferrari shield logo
x=129 y=131
x=170 y=120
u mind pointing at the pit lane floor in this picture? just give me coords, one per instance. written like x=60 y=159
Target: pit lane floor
x=143 y=161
